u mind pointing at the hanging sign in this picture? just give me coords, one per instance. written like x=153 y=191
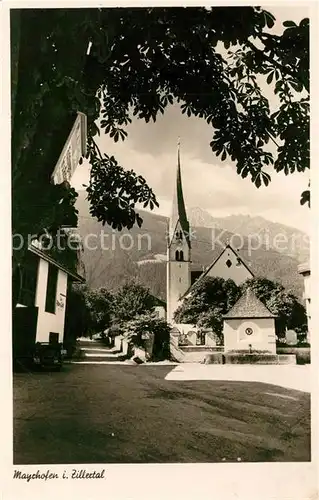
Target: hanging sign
x=74 y=148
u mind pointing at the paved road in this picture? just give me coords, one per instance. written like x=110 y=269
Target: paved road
x=123 y=414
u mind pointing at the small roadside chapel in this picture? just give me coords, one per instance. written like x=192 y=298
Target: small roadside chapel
x=249 y=325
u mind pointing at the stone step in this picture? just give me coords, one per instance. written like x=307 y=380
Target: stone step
x=201 y=348
x=103 y=358
x=100 y=354
x=101 y=350
x=195 y=357
x=92 y=344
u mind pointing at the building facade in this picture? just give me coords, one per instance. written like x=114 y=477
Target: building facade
x=304 y=270
x=249 y=325
x=40 y=312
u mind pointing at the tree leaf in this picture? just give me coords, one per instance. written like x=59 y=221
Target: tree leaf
x=289 y=24
x=270 y=77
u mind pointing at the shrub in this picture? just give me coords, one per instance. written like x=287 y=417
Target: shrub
x=134 y=331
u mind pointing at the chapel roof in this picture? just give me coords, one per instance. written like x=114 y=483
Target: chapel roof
x=248 y=306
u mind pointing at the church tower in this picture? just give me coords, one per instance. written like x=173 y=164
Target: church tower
x=178 y=278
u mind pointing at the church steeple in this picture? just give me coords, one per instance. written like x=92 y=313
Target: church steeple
x=178 y=249
x=178 y=210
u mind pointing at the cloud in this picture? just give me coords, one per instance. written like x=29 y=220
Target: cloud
x=215 y=188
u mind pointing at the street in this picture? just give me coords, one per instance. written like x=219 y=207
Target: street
x=130 y=414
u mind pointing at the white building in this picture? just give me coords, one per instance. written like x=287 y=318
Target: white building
x=228 y=265
x=178 y=278
x=40 y=312
x=304 y=270
x=249 y=325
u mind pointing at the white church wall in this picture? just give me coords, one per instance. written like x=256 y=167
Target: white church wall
x=262 y=338
x=235 y=270
x=178 y=280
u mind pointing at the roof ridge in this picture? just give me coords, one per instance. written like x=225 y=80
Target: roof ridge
x=249 y=306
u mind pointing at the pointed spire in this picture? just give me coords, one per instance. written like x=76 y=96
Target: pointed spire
x=179 y=191
x=179 y=210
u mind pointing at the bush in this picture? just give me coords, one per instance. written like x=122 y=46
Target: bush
x=77 y=353
x=135 y=330
x=114 y=331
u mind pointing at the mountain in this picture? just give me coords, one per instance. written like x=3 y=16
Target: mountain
x=279 y=237
x=201 y=218
x=111 y=258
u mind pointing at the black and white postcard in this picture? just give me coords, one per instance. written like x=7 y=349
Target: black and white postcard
x=159 y=261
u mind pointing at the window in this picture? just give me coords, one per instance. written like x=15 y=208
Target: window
x=53 y=338
x=228 y=263
x=179 y=255
x=51 y=289
x=179 y=235
x=29 y=277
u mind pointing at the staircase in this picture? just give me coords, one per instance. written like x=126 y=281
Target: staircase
x=94 y=351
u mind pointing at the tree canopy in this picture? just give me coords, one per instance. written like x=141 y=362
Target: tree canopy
x=212 y=62
x=131 y=300
x=289 y=312
x=212 y=298
x=88 y=311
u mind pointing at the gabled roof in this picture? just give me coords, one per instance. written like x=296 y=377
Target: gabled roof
x=228 y=246
x=248 y=306
x=44 y=256
x=212 y=265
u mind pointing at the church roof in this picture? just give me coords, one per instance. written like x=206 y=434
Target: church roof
x=204 y=273
x=219 y=256
x=179 y=210
x=249 y=306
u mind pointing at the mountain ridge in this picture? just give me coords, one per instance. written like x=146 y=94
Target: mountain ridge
x=139 y=254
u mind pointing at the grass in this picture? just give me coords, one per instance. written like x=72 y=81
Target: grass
x=130 y=414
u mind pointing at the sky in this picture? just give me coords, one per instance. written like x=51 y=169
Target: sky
x=208 y=183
